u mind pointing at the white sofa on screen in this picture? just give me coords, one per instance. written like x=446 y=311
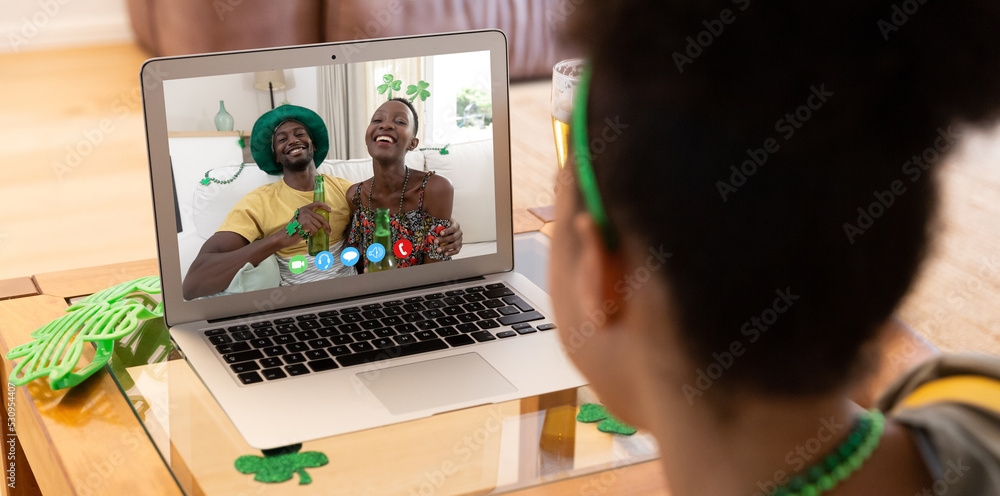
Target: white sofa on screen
x=469 y=166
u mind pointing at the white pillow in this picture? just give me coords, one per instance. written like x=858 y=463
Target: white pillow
x=213 y=202
x=470 y=168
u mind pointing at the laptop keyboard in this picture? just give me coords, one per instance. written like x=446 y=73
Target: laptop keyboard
x=314 y=342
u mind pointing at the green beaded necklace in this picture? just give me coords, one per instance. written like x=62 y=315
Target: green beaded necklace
x=227 y=181
x=208 y=179
x=840 y=464
x=442 y=151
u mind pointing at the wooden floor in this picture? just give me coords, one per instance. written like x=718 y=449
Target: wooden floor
x=75 y=188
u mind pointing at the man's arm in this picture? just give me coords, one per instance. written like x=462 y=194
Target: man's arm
x=226 y=252
x=222 y=256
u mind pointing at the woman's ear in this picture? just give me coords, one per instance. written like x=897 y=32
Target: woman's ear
x=413 y=144
x=599 y=272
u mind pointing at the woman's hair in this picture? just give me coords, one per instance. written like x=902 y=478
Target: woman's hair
x=782 y=152
x=409 y=104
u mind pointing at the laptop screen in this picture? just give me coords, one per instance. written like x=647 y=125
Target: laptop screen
x=243 y=224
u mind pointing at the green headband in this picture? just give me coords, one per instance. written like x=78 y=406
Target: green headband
x=585 y=176
x=263 y=133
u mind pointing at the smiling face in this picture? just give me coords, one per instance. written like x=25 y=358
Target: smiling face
x=390 y=133
x=293 y=147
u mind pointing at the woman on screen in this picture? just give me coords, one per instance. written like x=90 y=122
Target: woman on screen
x=419 y=203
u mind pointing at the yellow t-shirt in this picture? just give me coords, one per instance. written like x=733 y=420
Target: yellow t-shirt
x=270 y=207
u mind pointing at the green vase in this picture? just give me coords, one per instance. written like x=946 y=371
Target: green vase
x=223 y=121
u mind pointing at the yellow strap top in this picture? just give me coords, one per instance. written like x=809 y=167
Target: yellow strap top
x=972 y=390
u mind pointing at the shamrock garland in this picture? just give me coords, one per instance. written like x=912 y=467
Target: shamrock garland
x=591 y=412
x=279 y=465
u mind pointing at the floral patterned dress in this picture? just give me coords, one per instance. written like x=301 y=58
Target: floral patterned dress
x=418 y=226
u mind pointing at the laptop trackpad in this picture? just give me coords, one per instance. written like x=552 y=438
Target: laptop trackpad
x=435 y=383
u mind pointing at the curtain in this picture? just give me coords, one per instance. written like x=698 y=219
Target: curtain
x=348 y=96
x=334 y=108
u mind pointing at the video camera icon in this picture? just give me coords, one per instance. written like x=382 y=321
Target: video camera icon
x=298 y=264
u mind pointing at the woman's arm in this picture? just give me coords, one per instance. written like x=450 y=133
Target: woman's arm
x=438 y=199
x=350 y=213
x=349 y=228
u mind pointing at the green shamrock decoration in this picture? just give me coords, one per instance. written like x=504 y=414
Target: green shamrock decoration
x=442 y=151
x=391 y=84
x=100 y=318
x=591 y=412
x=279 y=465
x=418 y=91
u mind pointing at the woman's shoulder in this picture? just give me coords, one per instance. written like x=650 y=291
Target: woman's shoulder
x=353 y=190
x=951 y=405
x=437 y=183
x=438 y=195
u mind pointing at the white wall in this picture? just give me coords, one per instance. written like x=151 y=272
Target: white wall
x=191 y=104
x=41 y=24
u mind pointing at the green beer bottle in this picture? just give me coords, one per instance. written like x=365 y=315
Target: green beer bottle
x=383 y=236
x=321 y=240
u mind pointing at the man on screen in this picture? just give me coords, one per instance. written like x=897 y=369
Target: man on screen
x=278 y=218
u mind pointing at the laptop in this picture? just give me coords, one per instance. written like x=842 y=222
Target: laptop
x=291 y=362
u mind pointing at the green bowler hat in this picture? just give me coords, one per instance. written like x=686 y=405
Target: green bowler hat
x=263 y=132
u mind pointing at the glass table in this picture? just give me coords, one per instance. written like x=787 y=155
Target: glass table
x=490 y=449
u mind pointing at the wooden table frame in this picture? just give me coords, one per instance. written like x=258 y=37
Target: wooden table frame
x=79 y=441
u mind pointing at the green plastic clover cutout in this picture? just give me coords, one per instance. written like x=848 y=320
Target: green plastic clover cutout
x=280 y=467
x=418 y=91
x=591 y=412
x=100 y=318
x=391 y=84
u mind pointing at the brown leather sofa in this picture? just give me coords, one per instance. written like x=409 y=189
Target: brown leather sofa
x=175 y=27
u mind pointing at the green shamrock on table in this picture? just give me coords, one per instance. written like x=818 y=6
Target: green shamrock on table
x=591 y=412
x=279 y=465
x=391 y=84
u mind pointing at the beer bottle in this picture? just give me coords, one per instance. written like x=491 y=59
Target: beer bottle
x=383 y=236
x=321 y=240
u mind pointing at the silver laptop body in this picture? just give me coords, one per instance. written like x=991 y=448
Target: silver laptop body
x=273 y=413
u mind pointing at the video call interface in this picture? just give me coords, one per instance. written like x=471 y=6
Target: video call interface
x=220 y=190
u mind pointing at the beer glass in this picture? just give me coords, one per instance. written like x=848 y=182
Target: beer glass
x=565 y=76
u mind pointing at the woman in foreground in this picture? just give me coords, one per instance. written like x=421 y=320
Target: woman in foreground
x=749 y=158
